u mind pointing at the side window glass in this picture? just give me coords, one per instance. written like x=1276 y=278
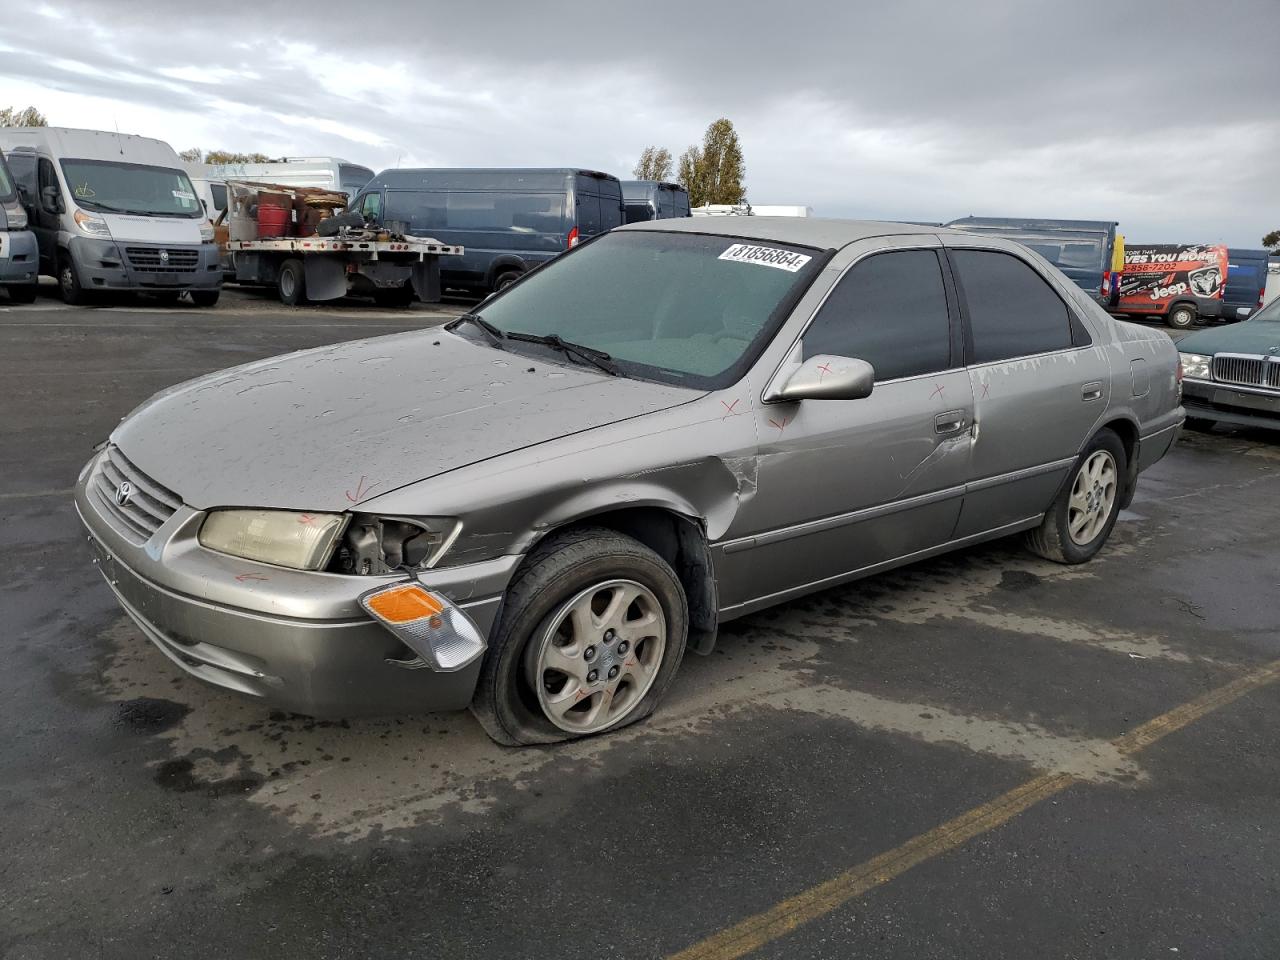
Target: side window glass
x=48 y=178
x=1013 y=312
x=890 y=310
x=371 y=206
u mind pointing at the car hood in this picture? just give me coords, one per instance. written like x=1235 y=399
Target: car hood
x=325 y=429
x=1252 y=336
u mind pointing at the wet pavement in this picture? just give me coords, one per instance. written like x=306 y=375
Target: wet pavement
x=145 y=815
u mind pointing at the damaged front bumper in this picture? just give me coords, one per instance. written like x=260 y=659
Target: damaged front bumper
x=296 y=640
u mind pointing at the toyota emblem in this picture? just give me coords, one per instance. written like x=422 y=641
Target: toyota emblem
x=164 y=256
x=124 y=492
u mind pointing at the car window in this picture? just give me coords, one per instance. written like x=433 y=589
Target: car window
x=890 y=310
x=48 y=178
x=690 y=309
x=1013 y=312
x=506 y=211
x=371 y=206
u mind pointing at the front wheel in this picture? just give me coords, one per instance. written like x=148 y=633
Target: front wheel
x=1182 y=316
x=205 y=298
x=592 y=631
x=506 y=279
x=1081 y=518
x=69 y=283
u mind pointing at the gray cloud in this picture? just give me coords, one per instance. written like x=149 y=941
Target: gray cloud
x=1159 y=117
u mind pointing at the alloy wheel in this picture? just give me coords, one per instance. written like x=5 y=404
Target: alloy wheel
x=1092 y=496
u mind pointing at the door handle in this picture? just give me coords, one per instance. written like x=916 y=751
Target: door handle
x=952 y=421
x=1091 y=391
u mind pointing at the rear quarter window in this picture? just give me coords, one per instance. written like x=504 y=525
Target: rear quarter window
x=1012 y=310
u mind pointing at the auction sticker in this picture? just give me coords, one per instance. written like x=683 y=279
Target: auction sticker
x=765 y=257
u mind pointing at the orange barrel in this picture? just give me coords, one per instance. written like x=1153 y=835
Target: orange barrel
x=273 y=221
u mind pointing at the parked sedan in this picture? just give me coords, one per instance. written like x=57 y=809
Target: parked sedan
x=536 y=510
x=1232 y=374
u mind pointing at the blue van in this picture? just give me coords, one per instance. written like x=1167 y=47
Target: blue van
x=1082 y=249
x=19 y=252
x=509 y=220
x=1246 y=282
x=654 y=200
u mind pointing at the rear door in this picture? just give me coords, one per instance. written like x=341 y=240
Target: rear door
x=587 y=207
x=1039 y=385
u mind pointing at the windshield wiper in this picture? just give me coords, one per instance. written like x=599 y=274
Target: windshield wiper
x=597 y=358
x=495 y=335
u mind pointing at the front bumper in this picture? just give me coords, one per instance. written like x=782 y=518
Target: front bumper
x=125 y=265
x=21 y=261
x=295 y=640
x=1226 y=403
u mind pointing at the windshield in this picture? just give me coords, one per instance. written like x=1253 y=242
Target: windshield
x=689 y=309
x=112 y=187
x=6 y=182
x=1066 y=254
x=1268 y=314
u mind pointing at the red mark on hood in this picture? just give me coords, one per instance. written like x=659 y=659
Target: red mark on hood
x=242 y=577
x=362 y=491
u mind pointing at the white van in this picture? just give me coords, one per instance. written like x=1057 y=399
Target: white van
x=327 y=173
x=113 y=211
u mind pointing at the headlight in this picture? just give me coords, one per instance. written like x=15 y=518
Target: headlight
x=1196 y=365
x=16 y=216
x=206 y=231
x=303 y=541
x=378 y=545
x=94 y=226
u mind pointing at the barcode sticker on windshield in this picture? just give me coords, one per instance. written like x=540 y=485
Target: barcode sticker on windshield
x=765 y=257
x=183 y=194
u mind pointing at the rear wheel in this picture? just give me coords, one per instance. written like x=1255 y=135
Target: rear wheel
x=23 y=292
x=592 y=631
x=292 y=283
x=69 y=283
x=1182 y=316
x=1081 y=519
x=505 y=279
x=400 y=296
x=205 y=298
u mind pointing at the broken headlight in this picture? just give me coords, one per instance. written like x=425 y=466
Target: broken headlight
x=377 y=545
x=303 y=541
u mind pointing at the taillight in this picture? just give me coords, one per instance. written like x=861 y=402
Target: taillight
x=573 y=237
x=1106 y=283
x=1262 y=293
x=1178 y=375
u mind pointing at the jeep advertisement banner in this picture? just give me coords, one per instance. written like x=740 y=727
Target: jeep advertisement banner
x=1156 y=276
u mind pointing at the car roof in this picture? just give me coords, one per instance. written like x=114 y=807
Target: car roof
x=807 y=231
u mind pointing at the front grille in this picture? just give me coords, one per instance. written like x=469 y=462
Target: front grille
x=147 y=507
x=1247 y=371
x=175 y=260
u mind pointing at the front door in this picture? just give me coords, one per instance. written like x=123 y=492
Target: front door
x=846 y=484
x=1039 y=387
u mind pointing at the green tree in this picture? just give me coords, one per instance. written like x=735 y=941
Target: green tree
x=714 y=171
x=192 y=155
x=1272 y=241
x=655 y=164
x=30 y=117
x=226 y=156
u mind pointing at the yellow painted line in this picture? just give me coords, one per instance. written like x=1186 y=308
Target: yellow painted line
x=754 y=932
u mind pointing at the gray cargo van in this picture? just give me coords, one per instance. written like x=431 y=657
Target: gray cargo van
x=19 y=254
x=509 y=220
x=654 y=200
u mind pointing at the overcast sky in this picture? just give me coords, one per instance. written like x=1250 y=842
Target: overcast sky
x=1163 y=116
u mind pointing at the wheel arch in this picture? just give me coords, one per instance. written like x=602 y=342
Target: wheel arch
x=500 y=265
x=1127 y=430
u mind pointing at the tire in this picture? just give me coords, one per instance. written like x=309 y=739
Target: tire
x=23 y=292
x=1181 y=316
x=1098 y=503
x=166 y=296
x=205 y=298
x=400 y=296
x=506 y=279
x=292 y=283
x=73 y=294
x=590 y=566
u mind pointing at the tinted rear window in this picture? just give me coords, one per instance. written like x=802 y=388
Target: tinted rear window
x=1013 y=312
x=477 y=210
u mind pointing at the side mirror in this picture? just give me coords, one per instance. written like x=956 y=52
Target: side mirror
x=825 y=377
x=52 y=198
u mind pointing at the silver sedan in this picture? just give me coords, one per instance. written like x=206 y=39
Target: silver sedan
x=536 y=510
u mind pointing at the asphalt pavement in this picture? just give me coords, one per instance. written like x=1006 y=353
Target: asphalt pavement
x=985 y=755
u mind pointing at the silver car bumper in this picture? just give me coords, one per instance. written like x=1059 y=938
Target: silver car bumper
x=296 y=640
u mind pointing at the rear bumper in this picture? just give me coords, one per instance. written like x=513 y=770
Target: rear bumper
x=21 y=262
x=294 y=640
x=105 y=265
